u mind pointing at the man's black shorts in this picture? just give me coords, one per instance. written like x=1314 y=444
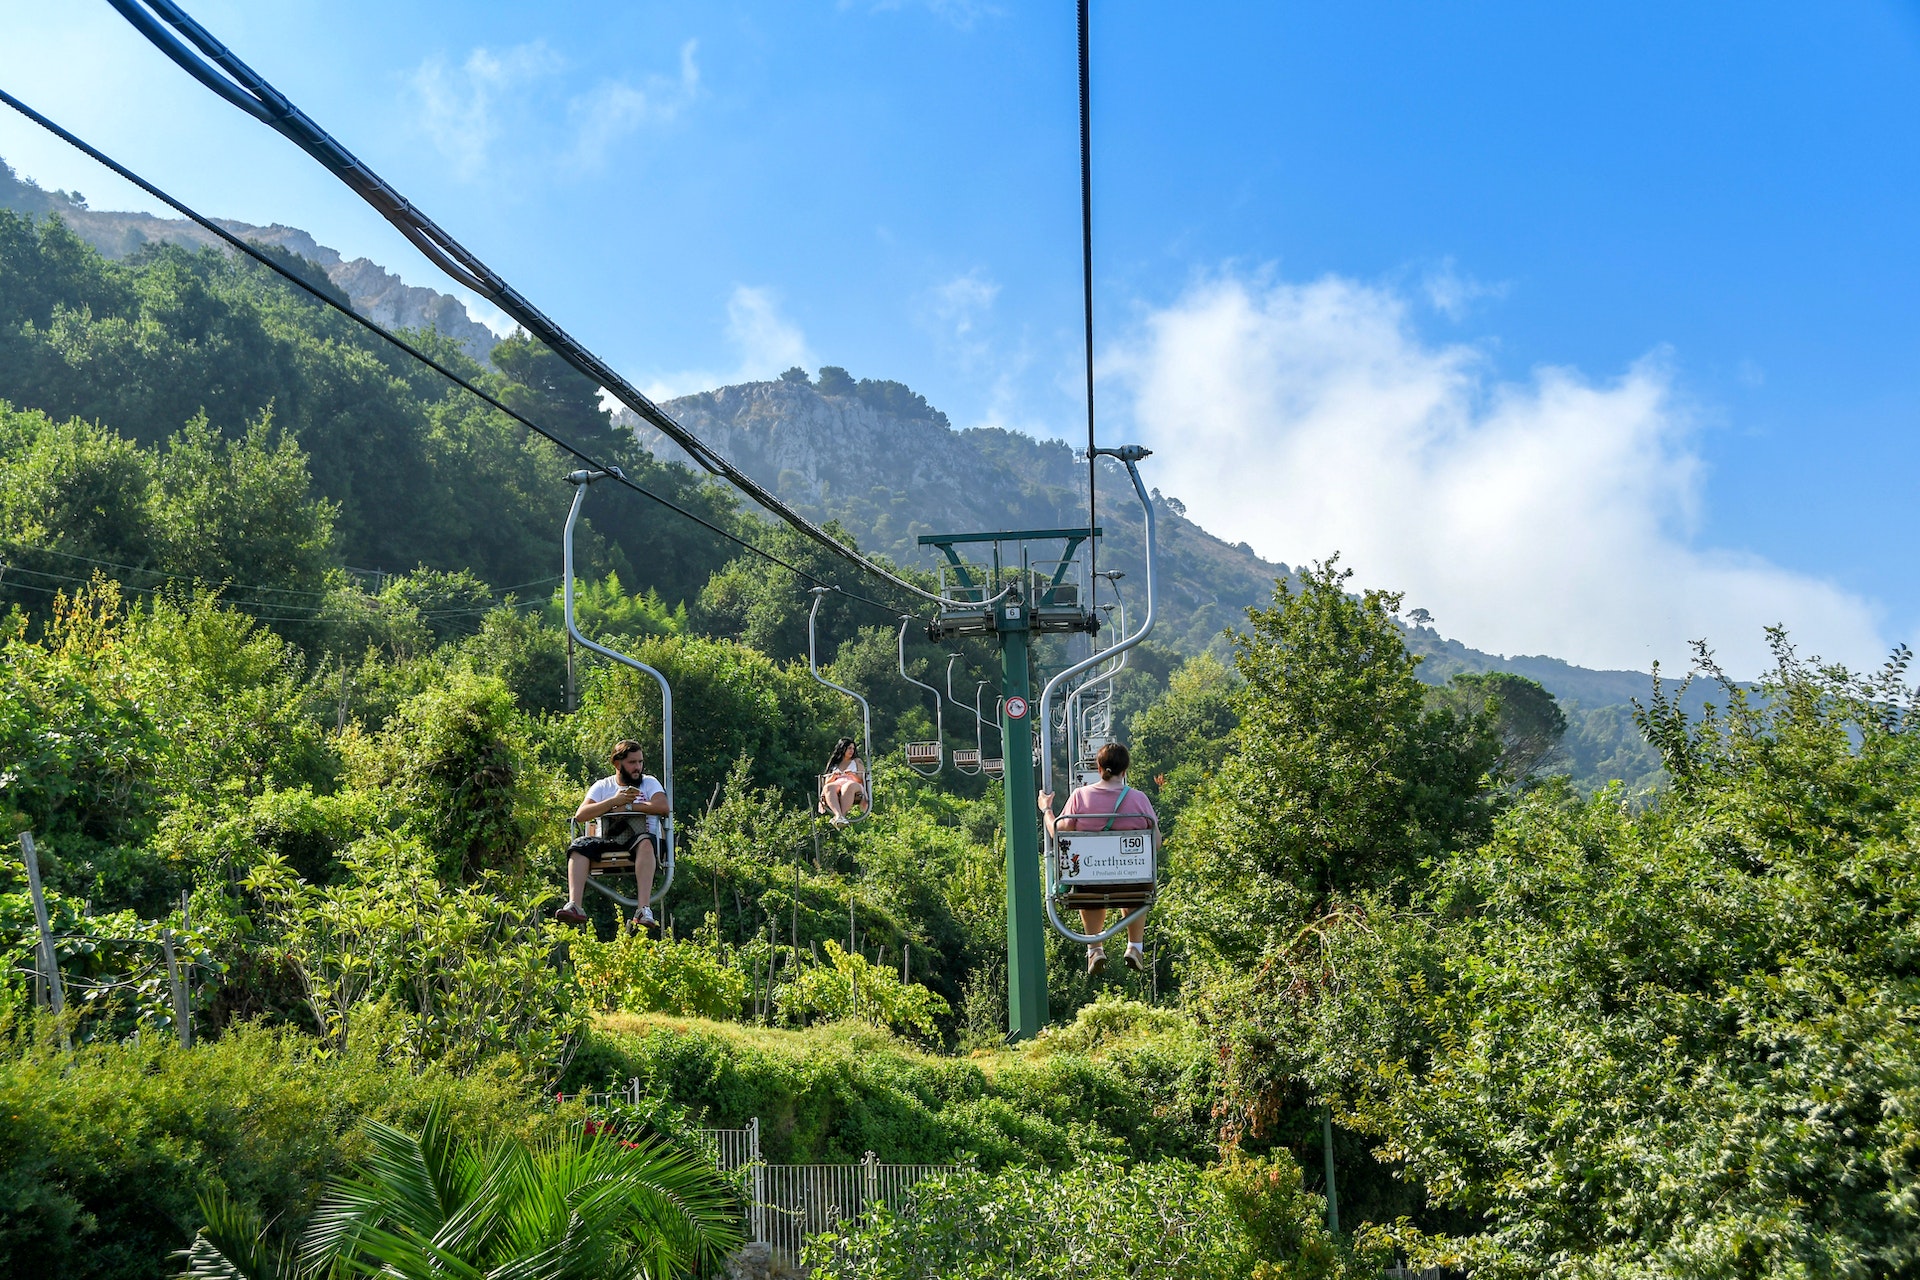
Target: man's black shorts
x=604 y=849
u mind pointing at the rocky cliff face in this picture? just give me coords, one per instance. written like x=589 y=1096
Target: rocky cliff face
x=890 y=476
x=375 y=292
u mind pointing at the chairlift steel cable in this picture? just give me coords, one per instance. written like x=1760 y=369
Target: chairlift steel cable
x=1086 y=281
x=247 y=90
x=402 y=344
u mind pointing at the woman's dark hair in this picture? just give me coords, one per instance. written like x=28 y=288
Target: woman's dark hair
x=840 y=752
x=1113 y=760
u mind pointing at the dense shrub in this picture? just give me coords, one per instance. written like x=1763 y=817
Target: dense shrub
x=1667 y=1041
x=459 y=769
x=431 y=973
x=1095 y=1221
x=838 y=1091
x=634 y=974
x=851 y=986
x=103 y=1154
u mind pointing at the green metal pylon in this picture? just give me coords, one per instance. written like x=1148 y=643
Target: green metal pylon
x=1038 y=603
x=1026 y=928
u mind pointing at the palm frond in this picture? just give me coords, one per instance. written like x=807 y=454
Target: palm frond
x=572 y=1207
x=233 y=1245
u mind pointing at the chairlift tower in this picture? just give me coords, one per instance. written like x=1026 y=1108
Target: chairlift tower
x=1014 y=599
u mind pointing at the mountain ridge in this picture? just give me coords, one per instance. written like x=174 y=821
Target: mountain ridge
x=373 y=291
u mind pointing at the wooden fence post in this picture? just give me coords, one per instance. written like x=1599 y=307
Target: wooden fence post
x=182 y=1012
x=49 y=958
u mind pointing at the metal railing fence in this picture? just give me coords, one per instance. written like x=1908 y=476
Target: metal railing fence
x=800 y=1200
x=786 y=1203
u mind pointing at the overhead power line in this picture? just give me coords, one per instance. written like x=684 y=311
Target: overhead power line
x=486 y=397
x=216 y=67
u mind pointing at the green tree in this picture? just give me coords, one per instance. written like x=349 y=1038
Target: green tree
x=449 y=604
x=71 y=494
x=764 y=606
x=1529 y=719
x=82 y=743
x=1337 y=779
x=239 y=511
x=1182 y=739
x=607 y=612
x=458 y=767
x=728 y=701
x=525 y=654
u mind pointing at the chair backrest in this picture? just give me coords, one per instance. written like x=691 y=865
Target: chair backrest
x=1099 y=858
x=623 y=825
x=923 y=753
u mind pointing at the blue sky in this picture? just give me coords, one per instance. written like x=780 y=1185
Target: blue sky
x=1596 y=329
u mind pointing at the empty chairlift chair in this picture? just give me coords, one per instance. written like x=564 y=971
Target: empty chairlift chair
x=992 y=766
x=924 y=758
x=965 y=759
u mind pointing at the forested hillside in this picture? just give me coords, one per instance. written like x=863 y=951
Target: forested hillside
x=284 y=694
x=374 y=291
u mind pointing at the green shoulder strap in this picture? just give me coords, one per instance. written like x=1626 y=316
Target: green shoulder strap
x=1117 y=802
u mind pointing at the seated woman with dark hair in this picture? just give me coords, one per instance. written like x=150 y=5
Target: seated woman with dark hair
x=843 y=788
x=1107 y=805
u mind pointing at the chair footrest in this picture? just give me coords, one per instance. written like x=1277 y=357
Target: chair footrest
x=1119 y=895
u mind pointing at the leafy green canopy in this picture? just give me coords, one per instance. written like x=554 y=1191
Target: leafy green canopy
x=1673 y=1042
x=413 y=470
x=1338 y=777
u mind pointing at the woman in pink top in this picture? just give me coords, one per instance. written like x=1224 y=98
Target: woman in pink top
x=1109 y=798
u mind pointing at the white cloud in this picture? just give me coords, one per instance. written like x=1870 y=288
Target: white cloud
x=459 y=108
x=1551 y=516
x=468 y=111
x=955 y=311
x=615 y=108
x=767 y=342
x=1453 y=294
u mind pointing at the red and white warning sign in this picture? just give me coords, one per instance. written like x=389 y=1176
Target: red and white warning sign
x=1016 y=708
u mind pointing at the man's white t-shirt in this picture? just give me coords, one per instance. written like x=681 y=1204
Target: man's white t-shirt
x=609 y=787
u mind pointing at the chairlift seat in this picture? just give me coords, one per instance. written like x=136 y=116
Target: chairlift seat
x=616 y=826
x=967 y=758
x=993 y=767
x=629 y=828
x=1097 y=869
x=923 y=753
x=860 y=810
